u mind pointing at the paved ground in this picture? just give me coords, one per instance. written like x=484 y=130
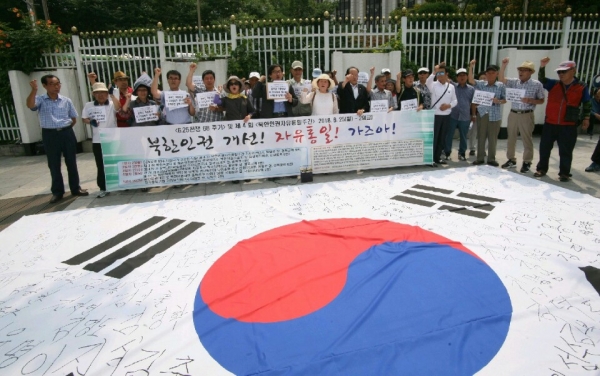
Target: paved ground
x=25 y=182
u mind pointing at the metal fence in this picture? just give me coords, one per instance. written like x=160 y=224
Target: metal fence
x=426 y=41
x=9 y=127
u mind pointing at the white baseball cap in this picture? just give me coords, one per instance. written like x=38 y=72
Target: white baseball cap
x=254 y=74
x=423 y=69
x=461 y=70
x=386 y=70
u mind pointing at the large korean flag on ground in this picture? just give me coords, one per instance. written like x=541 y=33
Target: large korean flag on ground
x=457 y=272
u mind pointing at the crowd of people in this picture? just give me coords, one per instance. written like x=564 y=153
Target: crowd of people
x=570 y=103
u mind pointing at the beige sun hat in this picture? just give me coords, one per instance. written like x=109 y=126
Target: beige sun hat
x=323 y=76
x=527 y=65
x=234 y=78
x=99 y=86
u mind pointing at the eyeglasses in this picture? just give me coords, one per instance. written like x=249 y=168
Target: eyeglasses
x=53 y=84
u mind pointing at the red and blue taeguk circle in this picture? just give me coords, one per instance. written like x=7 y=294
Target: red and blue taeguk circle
x=351 y=297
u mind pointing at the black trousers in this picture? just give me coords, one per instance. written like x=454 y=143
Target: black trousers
x=566 y=137
x=57 y=144
x=441 y=123
x=100 y=177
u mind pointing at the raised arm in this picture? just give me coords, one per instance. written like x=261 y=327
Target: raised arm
x=189 y=81
x=154 y=88
x=399 y=84
x=501 y=77
x=471 y=78
x=31 y=96
x=370 y=82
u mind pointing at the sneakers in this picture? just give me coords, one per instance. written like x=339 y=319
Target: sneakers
x=477 y=163
x=461 y=157
x=446 y=157
x=102 y=194
x=526 y=166
x=442 y=162
x=510 y=164
x=472 y=152
x=493 y=163
x=594 y=167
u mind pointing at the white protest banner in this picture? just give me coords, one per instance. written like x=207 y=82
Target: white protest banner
x=98 y=113
x=484 y=98
x=379 y=105
x=204 y=100
x=363 y=78
x=514 y=95
x=306 y=85
x=233 y=150
x=175 y=99
x=277 y=90
x=146 y=113
x=197 y=80
x=408 y=105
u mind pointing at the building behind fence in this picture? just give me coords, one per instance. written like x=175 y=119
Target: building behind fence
x=427 y=40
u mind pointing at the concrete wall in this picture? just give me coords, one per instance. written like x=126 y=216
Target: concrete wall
x=340 y=61
x=29 y=123
x=516 y=58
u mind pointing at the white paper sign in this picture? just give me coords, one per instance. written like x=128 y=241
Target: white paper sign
x=298 y=88
x=410 y=104
x=146 y=113
x=363 y=78
x=204 y=100
x=514 y=95
x=484 y=98
x=98 y=113
x=175 y=99
x=197 y=80
x=276 y=90
x=379 y=105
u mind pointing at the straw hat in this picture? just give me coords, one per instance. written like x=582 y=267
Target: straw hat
x=527 y=65
x=99 y=86
x=119 y=74
x=323 y=76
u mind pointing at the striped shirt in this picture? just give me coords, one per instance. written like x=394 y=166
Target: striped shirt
x=499 y=90
x=54 y=114
x=205 y=115
x=533 y=89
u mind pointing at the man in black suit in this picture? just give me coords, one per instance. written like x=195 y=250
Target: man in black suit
x=353 y=96
x=270 y=108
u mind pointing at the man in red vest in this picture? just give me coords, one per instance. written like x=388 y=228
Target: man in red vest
x=568 y=103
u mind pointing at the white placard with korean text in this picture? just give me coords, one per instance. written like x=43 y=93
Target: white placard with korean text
x=381 y=105
x=175 y=99
x=409 y=105
x=277 y=90
x=515 y=95
x=204 y=100
x=484 y=98
x=98 y=113
x=146 y=113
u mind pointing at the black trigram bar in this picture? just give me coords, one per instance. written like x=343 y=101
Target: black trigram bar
x=131 y=264
x=435 y=196
x=119 y=238
x=128 y=249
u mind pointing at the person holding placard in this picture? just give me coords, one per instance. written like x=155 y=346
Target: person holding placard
x=423 y=75
x=57 y=117
x=524 y=93
x=143 y=111
x=275 y=100
x=298 y=84
x=235 y=103
x=409 y=97
x=568 y=103
x=178 y=105
x=322 y=101
x=472 y=134
x=460 y=117
x=444 y=99
x=489 y=95
x=205 y=113
x=100 y=113
x=382 y=99
x=119 y=90
x=353 y=97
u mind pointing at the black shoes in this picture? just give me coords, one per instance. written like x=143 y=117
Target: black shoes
x=493 y=163
x=526 y=167
x=55 y=199
x=80 y=192
x=477 y=163
x=510 y=164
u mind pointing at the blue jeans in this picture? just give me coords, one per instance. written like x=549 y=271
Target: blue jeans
x=463 y=128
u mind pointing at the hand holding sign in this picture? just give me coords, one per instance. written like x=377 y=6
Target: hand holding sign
x=484 y=98
x=409 y=105
x=515 y=95
x=145 y=114
x=379 y=105
x=277 y=91
x=176 y=99
x=204 y=100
